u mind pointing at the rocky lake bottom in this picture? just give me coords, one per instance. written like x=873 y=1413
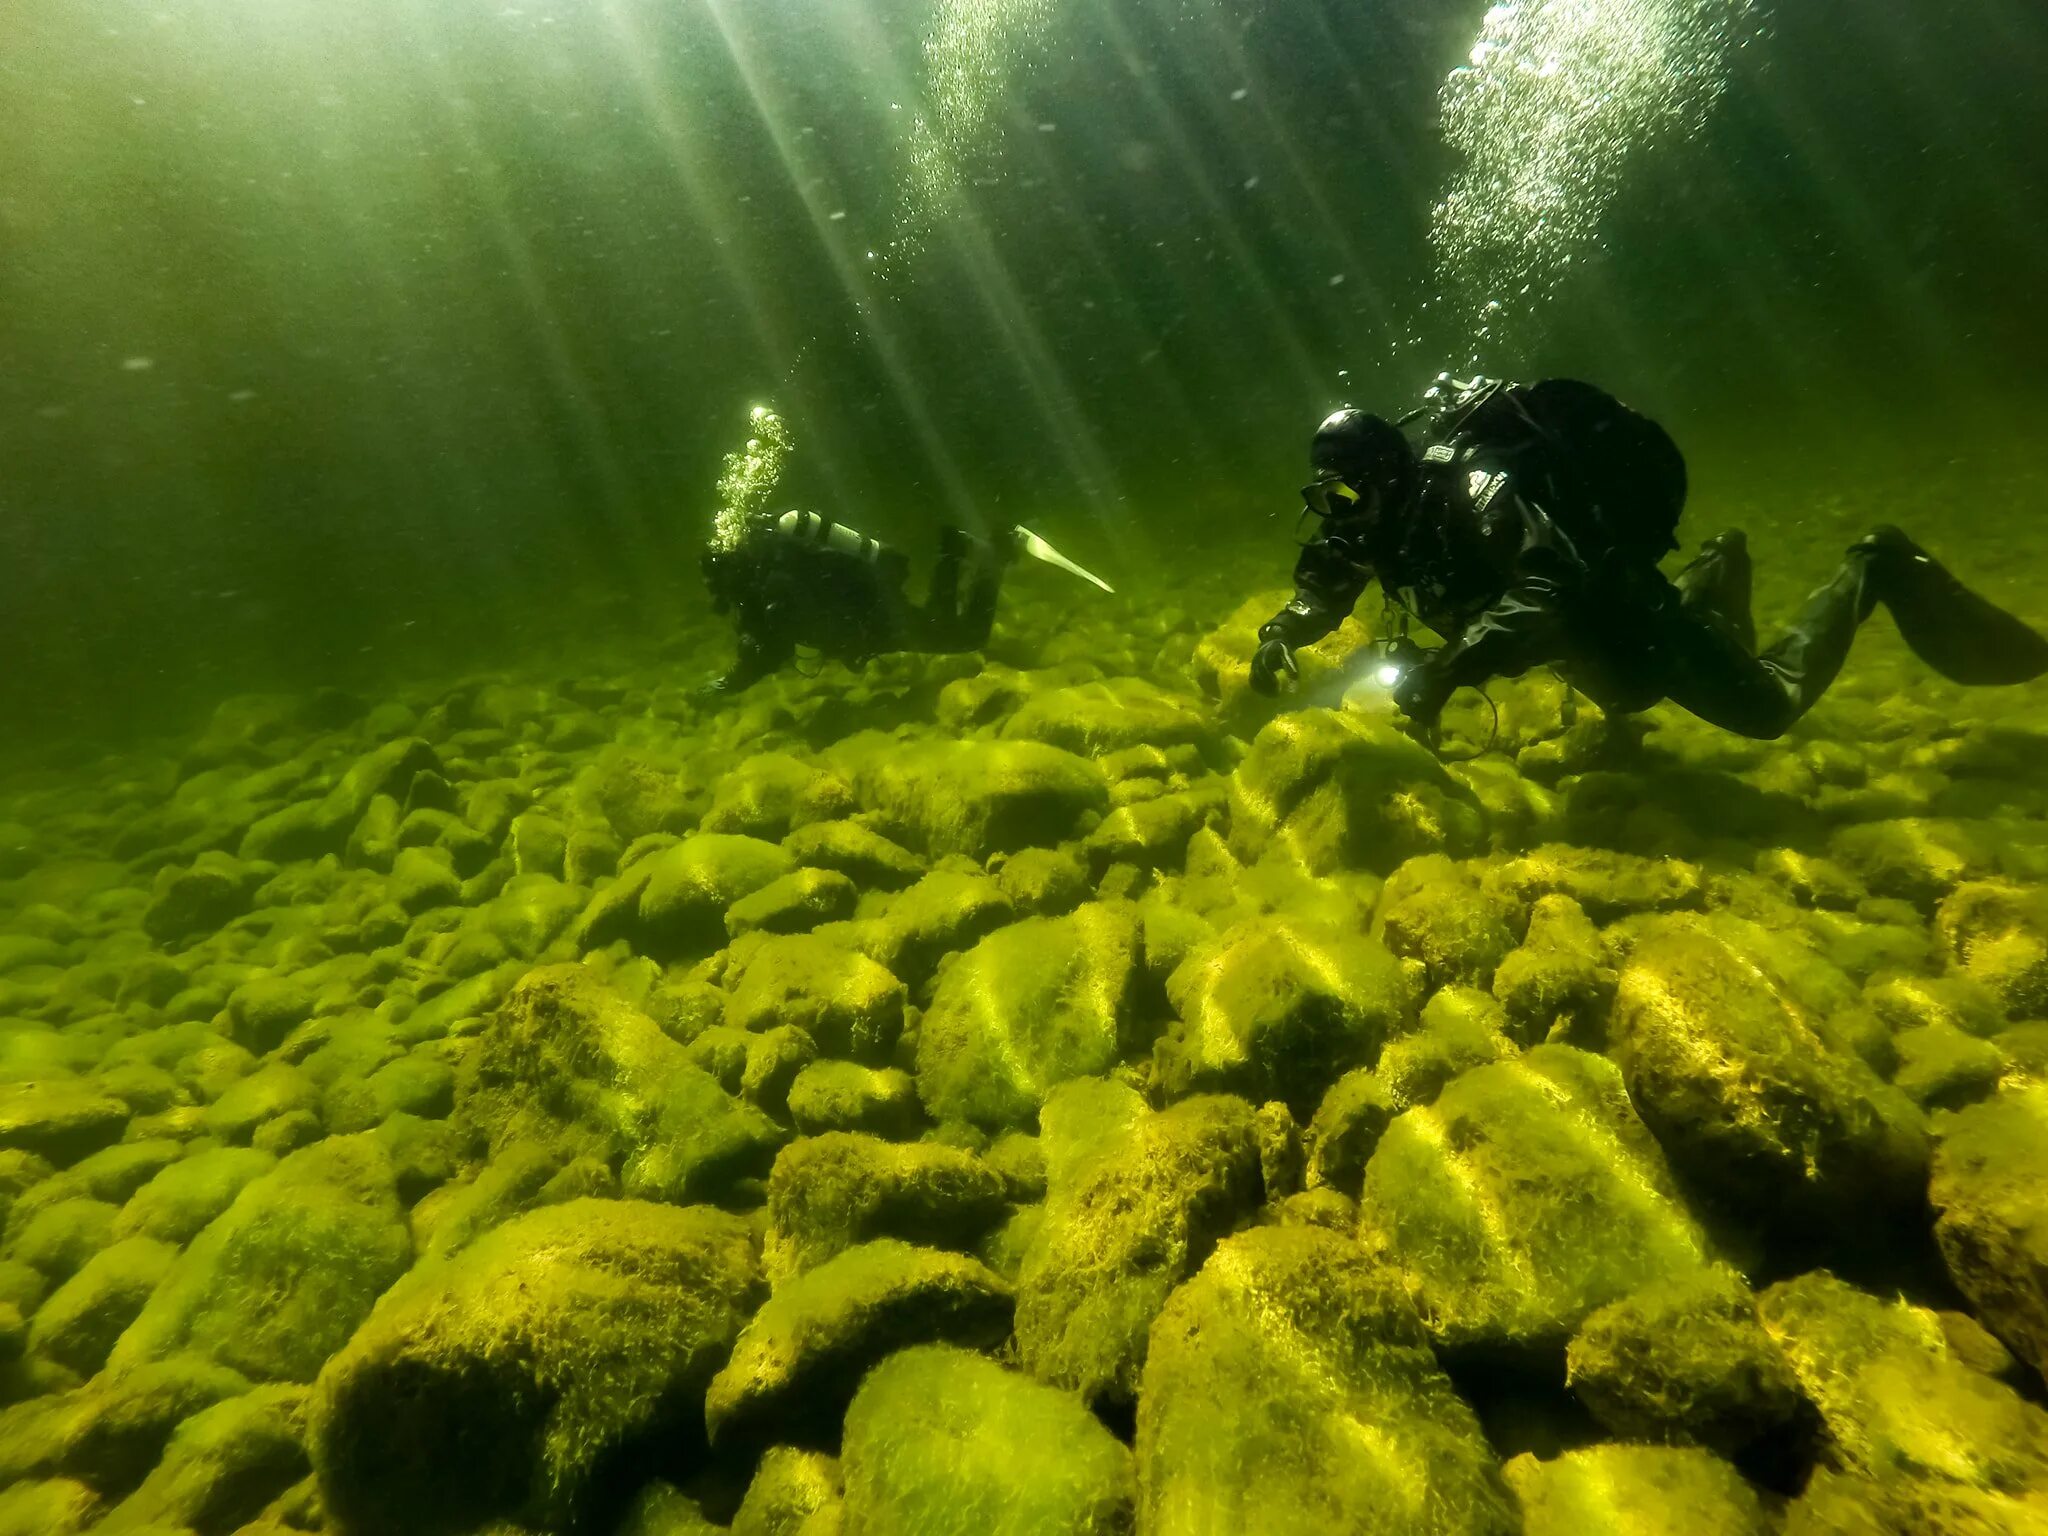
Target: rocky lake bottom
x=1045 y=1092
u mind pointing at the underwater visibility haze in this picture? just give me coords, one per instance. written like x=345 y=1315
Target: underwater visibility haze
x=694 y=835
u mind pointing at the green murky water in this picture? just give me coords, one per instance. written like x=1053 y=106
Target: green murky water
x=455 y=1077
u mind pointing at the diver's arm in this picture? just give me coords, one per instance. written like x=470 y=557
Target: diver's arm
x=1523 y=628
x=1327 y=586
x=758 y=656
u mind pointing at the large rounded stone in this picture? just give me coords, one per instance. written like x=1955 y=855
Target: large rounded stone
x=510 y=1381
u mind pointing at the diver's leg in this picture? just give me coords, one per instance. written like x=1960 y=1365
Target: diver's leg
x=966 y=583
x=1948 y=626
x=1716 y=585
x=1964 y=637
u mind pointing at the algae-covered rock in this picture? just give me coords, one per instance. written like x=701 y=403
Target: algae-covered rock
x=275 y=1285
x=568 y=1059
x=846 y=1096
x=860 y=853
x=1991 y=1201
x=54 y=1507
x=1915 y=859
x=660 y=1509
x=1526 y=1197
x=111 y=1431
x=1280 y=1008
x=1557 y=985
x=1684 y=1362
x=509 y=1381
x=683 y=905
x=1753 y=1092
x=943 y=913
x=1134 y=1203
x=1635 y=1490
x=176 y=1205
x=1940 y=1067
x=199 y=898
x=1221 y=665
x=829 y=1193
x=78 y=1322
x=1898 y=1408
x=1344 y=791
x=974 y=797
x=1029 y=1007
x=788 y=1488
x=61 y=1236
x=844 y=1001
x=1434 y=912
x=1607 y=885
x=1461 y=1029
x=796 y=903
x=62 y=1119
x=1347 y=1127
x=940 y=1442
x=798 y=1362
x=1997 y=934
x=1102 y=717
x=221 y=1467
x=772 y=793
x=1290 y=1388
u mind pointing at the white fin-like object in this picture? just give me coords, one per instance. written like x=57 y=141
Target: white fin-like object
x=1031 y=544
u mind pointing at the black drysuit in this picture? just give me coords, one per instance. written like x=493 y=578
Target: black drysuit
x=798 y=581
x=1531 y=537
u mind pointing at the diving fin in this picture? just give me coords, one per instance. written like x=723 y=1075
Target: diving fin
x=1964 y=637
x=1031 y=544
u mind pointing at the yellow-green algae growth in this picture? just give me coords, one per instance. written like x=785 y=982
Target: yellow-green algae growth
x=713 y=1123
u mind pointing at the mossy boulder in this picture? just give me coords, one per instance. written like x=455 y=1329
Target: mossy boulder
x=796 y=903
x=1334 y=790
x=1755 y=1093
x=789 y=1487
x=1991 y=1202
x=859 y=852
x=112 y=1431
x=78 y=1322
x=844 y=1001
x=62 y=1119
x=846 y=1096
x=1221 y=664
x=192 y=900
x=830 y=1193
x=54 y=1507
x=1996 y=933
x=799 y=1361
x=176 y=1205
x=1347 y=1126
x=1135 y=1201
x=57 y=1238
x=770 y=794
x=944 y=913
x=682 y=907
x=277 y=1282
x=1098 y=718
x=1433 y=911
x=1685 y=1362
x=1557 y=985
x=1935 y=1438
x=568 y=1059
x=1280 y=1008
x=974 y=797
x=1525 y=1198
x=1914 y=859
x=1029 y=1007
x=1635 y=1490
x=1461 y=1028
x=1605 y=884
x=222 y=1466
x=1290 y=1388
x=516 y=1379
x=941 y=1442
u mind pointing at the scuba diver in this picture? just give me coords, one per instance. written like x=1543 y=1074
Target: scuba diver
x=1524 y=523
x=796 y=581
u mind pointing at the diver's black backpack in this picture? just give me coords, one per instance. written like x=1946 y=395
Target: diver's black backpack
x=1610 y=477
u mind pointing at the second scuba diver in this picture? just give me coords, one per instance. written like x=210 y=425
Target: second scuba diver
x=1524 y=523
x=796 y=581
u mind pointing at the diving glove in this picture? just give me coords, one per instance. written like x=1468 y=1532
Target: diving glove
x=1270 y=662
